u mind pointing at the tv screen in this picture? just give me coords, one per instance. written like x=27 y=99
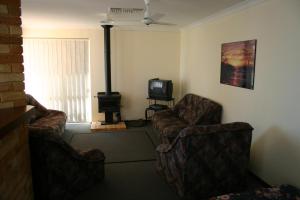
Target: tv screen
x=160 y=89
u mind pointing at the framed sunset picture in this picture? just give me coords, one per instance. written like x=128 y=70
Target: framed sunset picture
x=238 y=63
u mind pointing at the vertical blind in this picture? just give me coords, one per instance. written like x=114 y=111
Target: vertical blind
x=57 y=75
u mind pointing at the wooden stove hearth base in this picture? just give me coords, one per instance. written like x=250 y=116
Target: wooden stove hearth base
x=97 y=126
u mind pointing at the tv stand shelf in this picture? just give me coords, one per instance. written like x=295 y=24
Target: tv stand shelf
x=154 y=106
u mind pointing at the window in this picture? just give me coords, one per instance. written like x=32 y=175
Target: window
x=57 y=75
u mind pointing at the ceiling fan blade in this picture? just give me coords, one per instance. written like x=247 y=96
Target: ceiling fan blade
x=147 y=2
x=163 y=23
x=126 y=23
x=147 y=9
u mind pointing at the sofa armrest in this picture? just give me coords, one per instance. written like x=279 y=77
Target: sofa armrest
x=164 y=113
x=213 y=158
x=161 y=115
x=232 y=140
x=51 y=143
x=93 y=155
x=220 y=132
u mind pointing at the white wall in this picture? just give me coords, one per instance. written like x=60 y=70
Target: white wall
x=136 y=57
x=140 y=56
x=272 y=108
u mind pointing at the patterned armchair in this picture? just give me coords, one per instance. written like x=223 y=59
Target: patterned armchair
x=205 y=161
x=45 y=119
x=282 y=192
x=59 y=172
x=190 y=110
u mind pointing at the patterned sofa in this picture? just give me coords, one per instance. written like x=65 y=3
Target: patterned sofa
x=282 y=192
x=45 y=119
x=208 y=160
x=59 y=172
x=190 y=110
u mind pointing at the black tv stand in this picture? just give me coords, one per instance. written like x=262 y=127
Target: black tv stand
x=154 y=106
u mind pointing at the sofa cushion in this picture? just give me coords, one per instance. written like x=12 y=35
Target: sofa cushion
x=198 y=110
x=171 y=126
x=39 y=110
x=168 y=124
x=54 y=121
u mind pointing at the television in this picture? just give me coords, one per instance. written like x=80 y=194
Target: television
x=160 y=89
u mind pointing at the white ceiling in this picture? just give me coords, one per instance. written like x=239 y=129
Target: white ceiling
x=88 y=13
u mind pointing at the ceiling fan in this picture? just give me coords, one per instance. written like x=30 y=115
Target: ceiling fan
x=148 y=19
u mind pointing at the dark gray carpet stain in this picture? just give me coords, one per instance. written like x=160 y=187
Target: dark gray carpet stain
x=124 y=146
x=130 y=181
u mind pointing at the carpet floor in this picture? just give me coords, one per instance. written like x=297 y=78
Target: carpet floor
x=130 y=163
x=130 y=181
x=123 y=146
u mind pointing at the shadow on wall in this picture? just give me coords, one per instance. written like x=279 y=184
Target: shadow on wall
x=281 y=149
x=183 y=89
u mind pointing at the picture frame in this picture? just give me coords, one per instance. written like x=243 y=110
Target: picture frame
x=238 y=63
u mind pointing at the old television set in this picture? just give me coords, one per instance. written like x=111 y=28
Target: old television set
x=160 y=89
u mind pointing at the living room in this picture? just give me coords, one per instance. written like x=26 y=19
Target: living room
x=191 y=58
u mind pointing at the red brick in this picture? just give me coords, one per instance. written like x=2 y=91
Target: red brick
x=4 y=29
x=11 y=59
x=4 y=48
x=11 y=77
x=11 y=96
x=18 y=103
x=4 y=68
x=18 y=86
x=3 y=9
x=11 y=20
x=8 y=39
x=15 y=30
x=15 y=162
x=16 y=3
x=15 y=49
x=14 y=11
x=6 y=87
x=17 y=68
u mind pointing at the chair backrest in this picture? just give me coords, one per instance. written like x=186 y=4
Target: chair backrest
x=198 y=110
x=39 y=110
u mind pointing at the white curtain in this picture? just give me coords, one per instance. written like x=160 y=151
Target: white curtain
x=57 y=75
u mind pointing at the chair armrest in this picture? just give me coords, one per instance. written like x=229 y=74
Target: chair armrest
x=59 y=171
x=164 y=113
x=192 y=134
x=161 y=115
x=51 y=143
x=92 y=155
x=231 y=138
x=211 y=157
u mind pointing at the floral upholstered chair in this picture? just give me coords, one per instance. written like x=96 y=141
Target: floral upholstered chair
x=59 y=172
x=190 y=110
x=45 y=119
x=282 y=192
x=208 y=160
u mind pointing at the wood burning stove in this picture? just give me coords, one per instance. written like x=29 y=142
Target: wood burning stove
x=108 y=101
x=109 y=104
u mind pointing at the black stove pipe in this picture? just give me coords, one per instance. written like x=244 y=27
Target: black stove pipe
x=107 y=61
